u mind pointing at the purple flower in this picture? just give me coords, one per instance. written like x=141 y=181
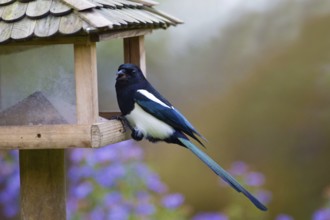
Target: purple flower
x=151 y=179
x=83 y=189
x=283 y=217
x=11 y=191
x=77 y=173
x=97 y=214
x=7 y=168
x=121 y=212
x=322 y=214
x=113 y=198
x=105 y=154
x=13 y=155
x=143 y=196
x=116 y=170
x=123 y=150
x=10 y=210
x=72 y=206
x=210 y=216
x=153 y=183
x=142 y=170
x=255 y=179
x=173 y=201
x=108 y=176
x=238 y=168
x=143 y=206
x=145 y=209
x=96 y=157
x=77 y=155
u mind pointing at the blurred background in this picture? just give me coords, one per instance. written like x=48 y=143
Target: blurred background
x=252 y=76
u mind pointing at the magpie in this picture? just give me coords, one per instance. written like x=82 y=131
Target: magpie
x=149 y=115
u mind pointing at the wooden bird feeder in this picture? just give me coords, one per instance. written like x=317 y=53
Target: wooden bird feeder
x=42 y=137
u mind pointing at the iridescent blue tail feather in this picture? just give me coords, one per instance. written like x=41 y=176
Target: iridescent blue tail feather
x=221 y=172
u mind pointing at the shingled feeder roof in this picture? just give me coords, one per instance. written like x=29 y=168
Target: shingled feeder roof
x=34 y=19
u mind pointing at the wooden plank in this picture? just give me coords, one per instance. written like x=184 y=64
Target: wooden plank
x=42 y=180
x=59 y=9
x=152 y=17
x=86 y=83
x=88 y=28
x=44 y=136
x=106 y=3
x=134 y=52
x=80 y=5
x=96 y=19
x=105 y=133
x=5 y=31
x=70 y=24
x=38 y=8
x=163 y=19
x=98 y=5
x=23 y=29
x=124 y=16
x=123 y=34
x=14 y=12
x=131 y=14
x=61 y=136
x=117 y=4
x=139 y=14
x=130 y=4
x=106 y=12
x=173 y=20
x=47 y=26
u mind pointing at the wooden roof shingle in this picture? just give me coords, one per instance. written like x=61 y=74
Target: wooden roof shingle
x=34 y=19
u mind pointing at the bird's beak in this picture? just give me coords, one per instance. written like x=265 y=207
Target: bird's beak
x=121 y=74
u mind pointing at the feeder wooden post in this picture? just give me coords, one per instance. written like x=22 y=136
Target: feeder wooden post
x=86 y=83
x=42 y=174
x=134 y=51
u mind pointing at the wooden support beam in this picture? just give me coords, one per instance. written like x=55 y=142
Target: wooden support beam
x=134 y=51
x=62 y=136
x=122 y=34
x=86 y=83
x=42 y=177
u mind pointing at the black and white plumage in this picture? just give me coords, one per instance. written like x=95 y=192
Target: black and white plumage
x=149 y=115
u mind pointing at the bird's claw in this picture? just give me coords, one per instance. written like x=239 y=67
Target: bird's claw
x=137 y=135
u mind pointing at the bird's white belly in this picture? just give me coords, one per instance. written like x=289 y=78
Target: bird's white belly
x=148 y=124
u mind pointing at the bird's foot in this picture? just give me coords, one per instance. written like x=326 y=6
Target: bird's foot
x=137 y=135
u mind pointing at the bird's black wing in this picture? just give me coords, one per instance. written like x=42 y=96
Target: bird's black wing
x=165 y=113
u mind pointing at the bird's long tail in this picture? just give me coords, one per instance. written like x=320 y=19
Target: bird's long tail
x=221 y=172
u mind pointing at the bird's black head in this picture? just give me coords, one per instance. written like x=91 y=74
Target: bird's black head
x=129 y=79
x=129 y=73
